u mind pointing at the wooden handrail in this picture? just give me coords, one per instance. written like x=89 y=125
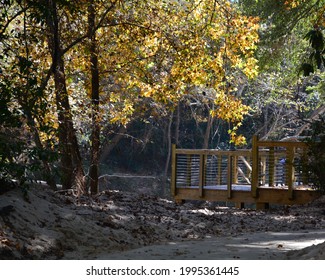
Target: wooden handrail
x=212 y=152
x=284 y=144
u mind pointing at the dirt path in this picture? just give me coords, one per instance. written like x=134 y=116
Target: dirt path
x=253 y=246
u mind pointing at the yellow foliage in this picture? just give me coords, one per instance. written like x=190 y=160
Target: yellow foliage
x=167 y=46
x=321 y=17
x=233 y=111
x=158 y=49
x=291 y=4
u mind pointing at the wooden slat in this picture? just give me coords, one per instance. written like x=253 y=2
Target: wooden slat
x=246 y=162
x=266 y=195
x=197 y=151
x=212 y=152
x=241 y=172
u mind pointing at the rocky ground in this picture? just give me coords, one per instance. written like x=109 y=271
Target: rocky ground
x=54 y=225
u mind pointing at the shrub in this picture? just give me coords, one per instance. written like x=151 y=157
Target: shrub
x=316 y=154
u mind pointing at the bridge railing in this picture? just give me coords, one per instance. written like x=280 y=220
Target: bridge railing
x=268 y=164
x=279 y=164
x=210 y=168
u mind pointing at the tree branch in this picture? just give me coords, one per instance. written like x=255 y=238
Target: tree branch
x=12 y=19
x=88 y=34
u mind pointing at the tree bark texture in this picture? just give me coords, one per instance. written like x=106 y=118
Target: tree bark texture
x=95 y=135
x=71 y=163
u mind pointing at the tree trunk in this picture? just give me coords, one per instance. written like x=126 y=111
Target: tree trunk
x=71 y=164
x=207 y=132
x=169 y=151
x=48 y=173
x=95 y=140
x=169 y=144
x=178 y=120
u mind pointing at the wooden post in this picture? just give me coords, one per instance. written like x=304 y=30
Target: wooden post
x=174 y=170
x=201 y=174
x=255 y=166
x=234 y=169
x=229 y=175
x=290 y=170
x=271 y=167
x=219 y=175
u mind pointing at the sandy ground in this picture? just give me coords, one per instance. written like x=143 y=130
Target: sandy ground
x=256 y=246
x=127 y=225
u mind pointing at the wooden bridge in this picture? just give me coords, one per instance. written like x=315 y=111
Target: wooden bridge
x=272 y=172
